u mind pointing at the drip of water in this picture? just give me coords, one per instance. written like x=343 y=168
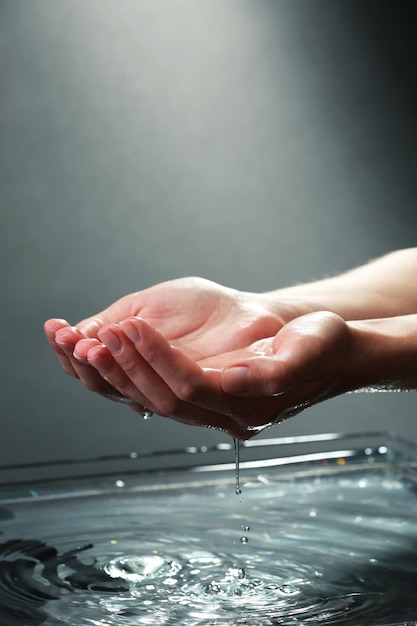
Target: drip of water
x=236 y=443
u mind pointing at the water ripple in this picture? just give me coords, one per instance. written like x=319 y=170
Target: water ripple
x=319 y=553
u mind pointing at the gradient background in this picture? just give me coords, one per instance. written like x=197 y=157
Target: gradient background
x=257 y=143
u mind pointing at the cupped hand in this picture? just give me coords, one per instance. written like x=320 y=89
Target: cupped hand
x=198 y=316
x=241 y=390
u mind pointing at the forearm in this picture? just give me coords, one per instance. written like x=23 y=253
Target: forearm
x=383 y=354
x=386 y=287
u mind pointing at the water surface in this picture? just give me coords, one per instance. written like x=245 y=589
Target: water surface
x=336 y=547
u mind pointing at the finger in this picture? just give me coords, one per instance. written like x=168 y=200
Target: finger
x=67 y=339
x=131 y=374
x=101 y=359
x=82 y=348
x=51 y=327
x=100 y=384
x=87 y=374
x=145 y=358
x=188 y=415
x=90 y=326
x=192 y=385
x=201 y=390
x=169 y=370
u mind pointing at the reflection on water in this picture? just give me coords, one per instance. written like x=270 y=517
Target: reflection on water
x=337 y=549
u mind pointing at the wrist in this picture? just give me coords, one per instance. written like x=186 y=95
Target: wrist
x=339 y=295
x=384 y=354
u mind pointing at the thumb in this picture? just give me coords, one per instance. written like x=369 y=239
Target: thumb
x=258 y=376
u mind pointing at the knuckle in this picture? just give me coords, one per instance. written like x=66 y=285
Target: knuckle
x=149 y=355
x=130 y=367
x=186 y=391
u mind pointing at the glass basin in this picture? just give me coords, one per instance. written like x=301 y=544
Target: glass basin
x=323 y=531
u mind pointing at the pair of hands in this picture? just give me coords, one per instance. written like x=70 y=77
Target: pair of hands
x=207 y=355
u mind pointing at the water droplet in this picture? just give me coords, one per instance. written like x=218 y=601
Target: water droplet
x=288 y=590
x=244 y=540
x=119 y=483
x=241 y=573
x=246 y=528
x=223 y=446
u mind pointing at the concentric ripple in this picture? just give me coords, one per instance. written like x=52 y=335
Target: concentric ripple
x=323 y=551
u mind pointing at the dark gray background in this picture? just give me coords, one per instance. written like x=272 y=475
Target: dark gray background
x=257 y=143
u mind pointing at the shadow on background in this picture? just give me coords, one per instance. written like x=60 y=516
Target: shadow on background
x=255 y=144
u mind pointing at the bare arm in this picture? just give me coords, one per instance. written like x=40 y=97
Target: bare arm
x=212 y=356
x=379 y=303
x=385 y=287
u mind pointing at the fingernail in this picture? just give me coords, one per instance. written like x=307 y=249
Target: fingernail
x=236 y=379
x=63 y=335
x=111 y=340
x=77 y=355
x=131 y=331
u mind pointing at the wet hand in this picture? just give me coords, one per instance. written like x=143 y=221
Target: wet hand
x=302 y=364
x=202 y=318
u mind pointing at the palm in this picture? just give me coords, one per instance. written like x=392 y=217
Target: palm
x=202 y=318
x=209 y=323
